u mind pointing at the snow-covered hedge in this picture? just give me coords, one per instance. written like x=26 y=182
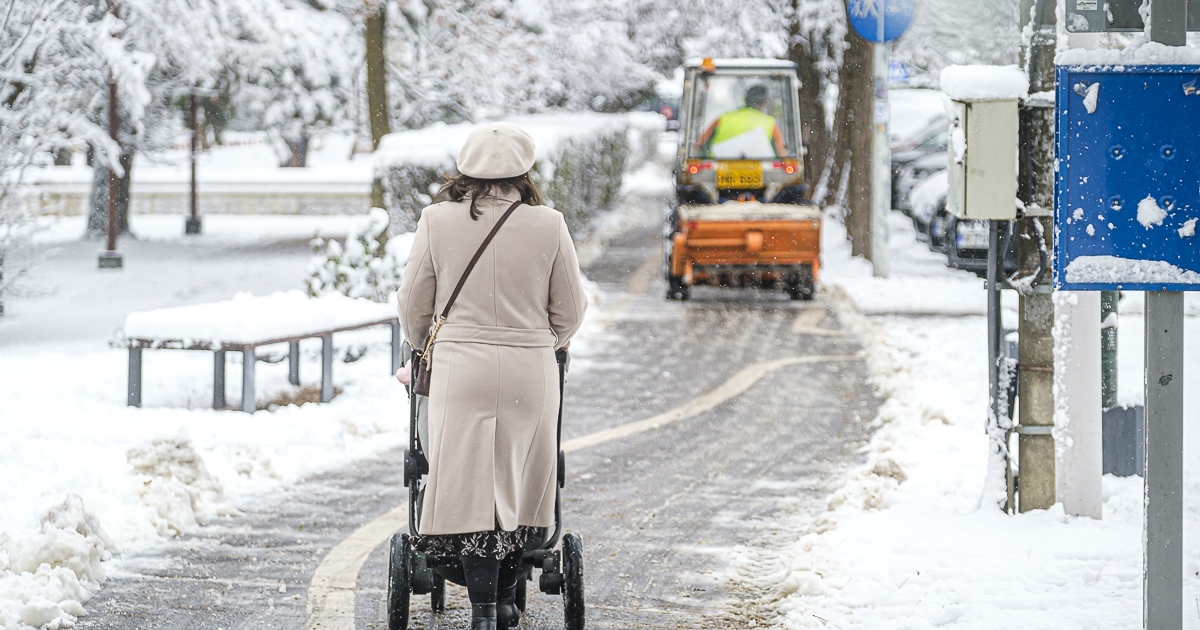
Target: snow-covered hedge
x=362 y=267
x=581 y=158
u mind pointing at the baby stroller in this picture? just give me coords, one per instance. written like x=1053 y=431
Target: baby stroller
x=413 y=573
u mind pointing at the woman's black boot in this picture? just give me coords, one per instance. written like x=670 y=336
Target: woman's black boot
x=483 y=617
x=507 y=613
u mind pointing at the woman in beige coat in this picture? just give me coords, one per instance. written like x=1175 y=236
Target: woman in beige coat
x=493 y=396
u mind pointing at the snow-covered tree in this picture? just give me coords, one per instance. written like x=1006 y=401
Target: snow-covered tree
x=456 y=60
x=294 y=66
x=36 y=115
x=945 y=32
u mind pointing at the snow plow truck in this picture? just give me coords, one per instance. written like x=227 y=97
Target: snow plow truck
x=741 y=216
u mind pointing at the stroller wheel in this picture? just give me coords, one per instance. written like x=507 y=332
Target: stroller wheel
x=437 y=596
x=399 y=582
x=573 y=581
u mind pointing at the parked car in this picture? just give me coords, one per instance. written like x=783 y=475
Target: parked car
x=964 y=241
x=926 y=199
x=966 y=245
x=919 y=127
x=909 y=175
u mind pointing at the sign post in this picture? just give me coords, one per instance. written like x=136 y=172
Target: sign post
x=880 y=22
x=1126 y=213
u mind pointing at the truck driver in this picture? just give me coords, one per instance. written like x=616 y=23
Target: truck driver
x=744 y=120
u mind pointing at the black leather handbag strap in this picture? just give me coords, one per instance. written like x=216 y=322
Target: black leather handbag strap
x=475 y=259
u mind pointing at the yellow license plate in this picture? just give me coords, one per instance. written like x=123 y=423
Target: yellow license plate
x=739 y=175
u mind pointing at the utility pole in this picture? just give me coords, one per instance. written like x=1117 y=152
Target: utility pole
x=192 y=225
x=1035 y=188
x=881 y=163
x=110 y=258
x=1162 y=577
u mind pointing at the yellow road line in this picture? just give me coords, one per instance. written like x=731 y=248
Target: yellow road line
x=738 y=383
x=331 y=592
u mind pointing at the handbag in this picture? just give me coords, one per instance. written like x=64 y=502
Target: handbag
x=423 y=360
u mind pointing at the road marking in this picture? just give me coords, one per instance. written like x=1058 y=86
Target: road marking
x=738 y=383
x=809 y=320
x=330 y=603
x=639 y=283
x=331 y=593
x=810 y=317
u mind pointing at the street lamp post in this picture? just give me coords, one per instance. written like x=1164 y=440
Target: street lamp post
x=110 y=258
x=192 y=225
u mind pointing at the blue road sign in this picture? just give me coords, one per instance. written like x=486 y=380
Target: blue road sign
x=867 y=15
x=1127 y=192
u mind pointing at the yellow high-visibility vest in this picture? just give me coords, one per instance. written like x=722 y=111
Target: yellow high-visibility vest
x=739 y=121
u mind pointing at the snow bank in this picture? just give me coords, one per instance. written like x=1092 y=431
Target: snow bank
x=247 y=318
x=984 y=83
x=1111 y=269
x=580 y=161
x=909 y=540
x=1139 y=52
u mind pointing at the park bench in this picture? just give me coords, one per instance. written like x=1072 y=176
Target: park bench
x=246 y=323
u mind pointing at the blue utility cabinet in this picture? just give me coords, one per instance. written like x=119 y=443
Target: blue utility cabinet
x=1127 y=190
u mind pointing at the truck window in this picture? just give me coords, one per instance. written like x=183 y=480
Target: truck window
x=743 y=117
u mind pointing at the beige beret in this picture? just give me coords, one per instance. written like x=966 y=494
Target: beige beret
x=496 y=151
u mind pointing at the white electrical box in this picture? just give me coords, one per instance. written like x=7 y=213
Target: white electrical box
x=983 y=160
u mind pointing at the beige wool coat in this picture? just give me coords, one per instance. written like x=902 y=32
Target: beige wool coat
x=493 y=396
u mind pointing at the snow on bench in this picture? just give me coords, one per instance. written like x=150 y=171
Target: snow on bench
x=246 y=322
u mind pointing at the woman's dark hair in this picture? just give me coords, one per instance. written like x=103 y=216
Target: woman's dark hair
x=460 y=187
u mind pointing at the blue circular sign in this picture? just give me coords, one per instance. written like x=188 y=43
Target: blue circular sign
x=880 y=20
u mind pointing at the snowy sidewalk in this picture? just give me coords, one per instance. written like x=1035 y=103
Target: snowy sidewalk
x=132 y=476
x=906 y=542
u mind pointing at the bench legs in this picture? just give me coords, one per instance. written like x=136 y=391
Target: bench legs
x=294 y=363
x=249 y=359
x=326 y=368
x=218 y=379
x=395 y=347
x=134 y=397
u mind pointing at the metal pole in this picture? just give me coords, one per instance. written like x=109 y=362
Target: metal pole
x=1108 y=349
x=1163 y=566
x=192 y=225
x=1162 y=576
x=326 y=368
x=134 y=397
x=110 y=258
x=881 y=160
x=294 y=363
x=998 y=423
x=218 y=379
x=249 y=359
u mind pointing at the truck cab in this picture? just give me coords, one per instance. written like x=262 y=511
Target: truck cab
x=741 y=215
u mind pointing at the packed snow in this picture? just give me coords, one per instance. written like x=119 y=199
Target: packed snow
x=1115 y=270
x=1149 y=214
x=1139 y=52
x=984 y=83
x=1091 y=97
x=248 y=318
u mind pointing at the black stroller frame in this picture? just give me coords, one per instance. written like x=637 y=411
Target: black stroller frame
x=413 y=573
